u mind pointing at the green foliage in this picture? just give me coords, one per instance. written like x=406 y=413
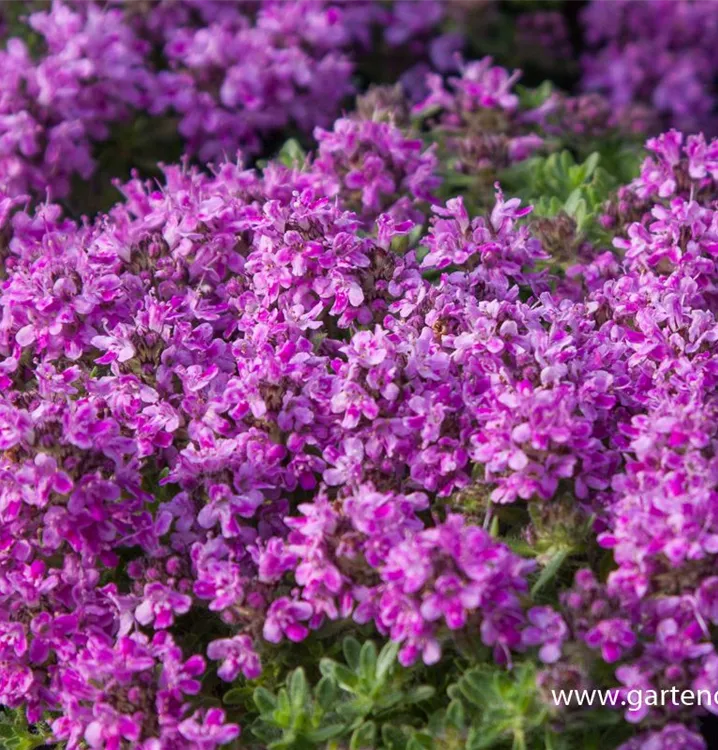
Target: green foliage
x=559 y=185
x=15 y=734
x=291 y=154
x=297 y=717
x=496 y=709
x=556 y=184
x=504 y=709
x=368 y=680
x=533 y=98
x=354 y=699
x=366 y=700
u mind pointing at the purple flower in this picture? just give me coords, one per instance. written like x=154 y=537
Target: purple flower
x=160 y=605
x=15 y=427
x=707 y=599
x=237 y=655
x=110 y=728
x=208 y=730
x=614 y=637
x=670 y=737
x=450 y=600
x=220 y=581
x=118 y=348
x=665 y=59
x=548 y=630
x=284 y=617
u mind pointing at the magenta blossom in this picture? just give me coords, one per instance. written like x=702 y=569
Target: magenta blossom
x=208 y=731
x=614 y=637
x=548 y=630
x=284 y=617
x=237 y=655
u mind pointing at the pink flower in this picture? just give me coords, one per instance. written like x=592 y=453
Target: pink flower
x=160 y=605
x=208 y=731
x=548 y=630
x=237 y=655
x=614 y=637
x=284 y=617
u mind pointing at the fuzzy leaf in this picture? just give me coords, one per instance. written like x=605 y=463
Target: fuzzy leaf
x=264 y=700
x=326 y=733
x=386 y=659
x=367 y=661
x=351 y=649
x=291 y=154
x=235 y=697
x=364 y=737
x=420 y=693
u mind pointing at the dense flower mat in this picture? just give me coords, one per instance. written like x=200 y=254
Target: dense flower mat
x=368 y=423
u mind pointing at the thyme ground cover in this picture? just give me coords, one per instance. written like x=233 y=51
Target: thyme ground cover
x=357 y=390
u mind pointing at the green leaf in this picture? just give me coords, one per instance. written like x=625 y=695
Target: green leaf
x=343 y=675
x=326 y=733
x=291 y=154
x=386 y=660
x=420 y=693
x=572 y=201
x=283 y=712
x=364 y=737
x=351 y=648
x=551 y=569
x=394 y=738
x=533 y=98
x=286 y=742
x=264 y=700
x=390 y=699
x=235 y=697
x=480 y=739
x=591 y=164
x=367 y=661
x=357 y=708
x=455 y=715
x=478 y=687
x=326 y=692
x=298 y=689
x=263 y=730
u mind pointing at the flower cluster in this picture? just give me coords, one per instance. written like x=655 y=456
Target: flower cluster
x=154 y=341
x=379 y=163
x=92 y=73
x=235 y=78
x=232 y=74
x=360 y=387
x=413 y=580
x=658 y=516
x=658 y=53
x=182 y=343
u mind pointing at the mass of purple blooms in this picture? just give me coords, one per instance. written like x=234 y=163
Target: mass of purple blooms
x=355 y=366
x=660 y=52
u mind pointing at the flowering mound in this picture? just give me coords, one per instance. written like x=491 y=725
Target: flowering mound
x=445 y=380
x=227 y=404
x=92 y=74
x=231 y=74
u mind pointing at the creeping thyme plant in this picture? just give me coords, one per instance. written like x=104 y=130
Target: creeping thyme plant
x=357 y=389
